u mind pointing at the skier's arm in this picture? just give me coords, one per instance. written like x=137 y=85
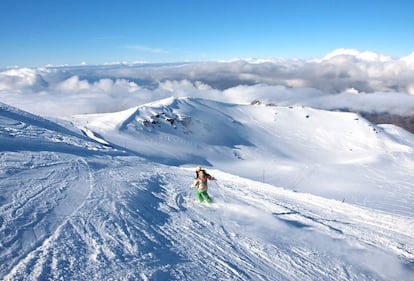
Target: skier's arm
x=195 y=183
x=209 y=177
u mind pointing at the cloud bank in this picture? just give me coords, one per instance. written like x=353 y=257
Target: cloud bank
x=344 y=79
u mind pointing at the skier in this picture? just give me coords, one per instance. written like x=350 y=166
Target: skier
x=200 y=183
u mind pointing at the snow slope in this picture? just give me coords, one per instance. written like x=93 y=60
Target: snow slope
x=78 y=209
x=332 y=154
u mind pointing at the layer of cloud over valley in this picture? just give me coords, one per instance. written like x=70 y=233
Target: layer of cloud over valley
x=345 y=79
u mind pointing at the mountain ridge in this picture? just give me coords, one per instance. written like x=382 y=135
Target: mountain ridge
x=271 y=143
x=106 y=213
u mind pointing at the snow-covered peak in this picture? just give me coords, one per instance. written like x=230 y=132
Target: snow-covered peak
x=247 y=136
x=190 y=119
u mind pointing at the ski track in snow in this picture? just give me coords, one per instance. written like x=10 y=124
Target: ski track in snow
x=126 y=220
x=256 y=211
x=40 y=209
x=95 y=213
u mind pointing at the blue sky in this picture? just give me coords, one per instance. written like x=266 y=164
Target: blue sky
x=40 y=32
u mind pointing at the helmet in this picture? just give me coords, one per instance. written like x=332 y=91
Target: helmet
x=198 y=168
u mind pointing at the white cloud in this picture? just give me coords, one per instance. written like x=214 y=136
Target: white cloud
x=342 y=79
x=19 y=78
x=358 y=55
x=409 y=60
x=145 y=49
x=73 y=84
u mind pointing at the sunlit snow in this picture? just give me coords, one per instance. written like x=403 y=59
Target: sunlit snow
x=301 y=194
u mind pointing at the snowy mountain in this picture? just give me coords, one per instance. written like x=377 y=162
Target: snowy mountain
x=298 y=148
x=301 y=194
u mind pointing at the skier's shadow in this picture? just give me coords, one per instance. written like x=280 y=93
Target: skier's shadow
x=289 y=222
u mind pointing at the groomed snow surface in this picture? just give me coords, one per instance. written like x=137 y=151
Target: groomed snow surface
x=301 y=194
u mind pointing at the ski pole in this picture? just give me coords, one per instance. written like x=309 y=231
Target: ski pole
x=221 y=191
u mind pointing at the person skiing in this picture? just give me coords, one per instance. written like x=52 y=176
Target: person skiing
x=200 y=182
